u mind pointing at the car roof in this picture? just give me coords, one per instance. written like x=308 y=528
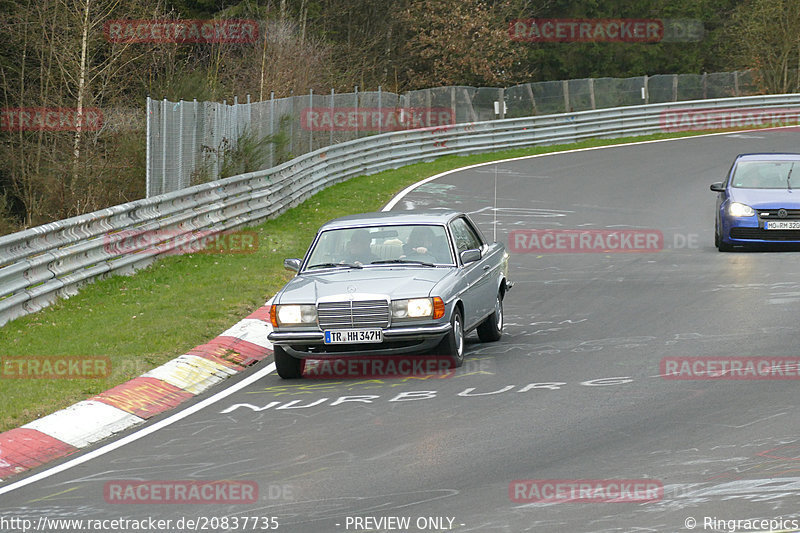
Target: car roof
x=772 y=156
x=433 y=216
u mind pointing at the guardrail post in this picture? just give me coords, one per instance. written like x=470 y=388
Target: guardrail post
x=235 y=132
x=195 y=148
x=181 y=182
x=591 y=93
x=355 y=95
x=272 y=129
x=402 y=115
x=470 y=106
x=428 y=100
x=565 y=89
x=163 y=148
x=310 y=129
x=533 y=100
x=674 y=87
x=291 y=125
x=453 y=104
x=646 y=90
x=330 y=142
x=380 y=110
x=736 y=82
x=249 y=120
x=705 y=85
x=148 y=151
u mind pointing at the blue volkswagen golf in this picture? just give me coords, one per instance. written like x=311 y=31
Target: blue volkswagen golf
x=759 y=203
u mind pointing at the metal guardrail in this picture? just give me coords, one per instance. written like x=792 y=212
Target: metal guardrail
x=41 y=264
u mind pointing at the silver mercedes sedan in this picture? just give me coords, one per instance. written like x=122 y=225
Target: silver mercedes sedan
x=374 y=284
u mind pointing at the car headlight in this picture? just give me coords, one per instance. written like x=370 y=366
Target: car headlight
x=418 y=308
x=292 y=315
x=740 y=210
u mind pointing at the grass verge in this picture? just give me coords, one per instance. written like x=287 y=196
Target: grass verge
x=161 y=312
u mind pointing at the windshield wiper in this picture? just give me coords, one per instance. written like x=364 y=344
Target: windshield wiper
x=333 y=265
x=401 y=261
x=789 y=177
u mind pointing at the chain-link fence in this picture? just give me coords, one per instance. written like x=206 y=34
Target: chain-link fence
x=195 y=142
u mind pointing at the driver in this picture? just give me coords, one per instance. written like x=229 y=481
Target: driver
x=420 y=244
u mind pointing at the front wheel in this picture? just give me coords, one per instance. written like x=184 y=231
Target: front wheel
x=723 y=246
x=453 y=344
x=719 y=243
x=491 y=329
x=288 y=367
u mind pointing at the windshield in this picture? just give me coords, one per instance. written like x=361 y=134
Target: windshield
x=765 y=175
x=376 y=245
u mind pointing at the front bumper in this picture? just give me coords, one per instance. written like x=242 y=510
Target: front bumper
x=750 y=230
x=396 y=340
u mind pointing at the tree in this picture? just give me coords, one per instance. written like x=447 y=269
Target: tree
x=766 y=35
x=58 y=58
x=460 y=43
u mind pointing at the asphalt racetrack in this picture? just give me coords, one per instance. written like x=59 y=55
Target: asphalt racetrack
x=575 y=389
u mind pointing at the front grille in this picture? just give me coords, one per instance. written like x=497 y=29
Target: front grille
x=766 y=235
x=355 y=314
x=772 y=214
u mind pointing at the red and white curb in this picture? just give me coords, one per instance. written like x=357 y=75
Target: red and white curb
x=133 y=402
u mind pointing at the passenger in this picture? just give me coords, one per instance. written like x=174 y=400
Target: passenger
x=358 y=249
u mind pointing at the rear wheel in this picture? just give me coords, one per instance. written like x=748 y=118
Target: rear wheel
x=491 y=329
x=288 y=367
x=453 y=344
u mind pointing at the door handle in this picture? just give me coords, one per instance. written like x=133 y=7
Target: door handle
x=486 y=267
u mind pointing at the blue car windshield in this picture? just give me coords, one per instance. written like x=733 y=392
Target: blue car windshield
x=766 y=175
x=373 y=246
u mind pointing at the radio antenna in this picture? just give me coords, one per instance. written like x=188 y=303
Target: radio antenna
x=494 y=210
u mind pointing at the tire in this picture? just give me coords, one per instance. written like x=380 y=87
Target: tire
x=491 y=329
x=453 y=344
x=723 y=246
x=718 y=242
x=288 y=367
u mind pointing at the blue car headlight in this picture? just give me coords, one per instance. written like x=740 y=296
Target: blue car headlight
x=735 y=209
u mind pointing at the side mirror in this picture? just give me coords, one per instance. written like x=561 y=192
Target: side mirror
x=718 y=187
x=470 y=256
x=292 y=264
